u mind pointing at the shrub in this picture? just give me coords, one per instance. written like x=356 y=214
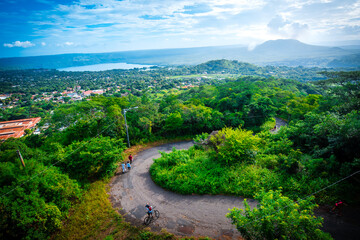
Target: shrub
x=173 y=158
x=33 y=207
x=95 y=158
x=235 y=145
x=269 y=161
x=278 y=217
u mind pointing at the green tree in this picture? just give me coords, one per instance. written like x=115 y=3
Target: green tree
x=278 y=217
x=33 y=207
x=235 y=145
x=174 y=122
x=92 y=159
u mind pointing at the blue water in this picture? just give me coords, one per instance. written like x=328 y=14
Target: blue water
x=103 y=67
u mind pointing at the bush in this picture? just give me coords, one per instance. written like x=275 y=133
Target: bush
x=93 y=159
x=172 y=159
x=235 y=145
x=269 y=161
x=278 y=217
x=33 y=208
x=246 y=180
x=194 y=171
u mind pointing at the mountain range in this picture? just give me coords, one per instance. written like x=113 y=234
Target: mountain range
x=283 y=52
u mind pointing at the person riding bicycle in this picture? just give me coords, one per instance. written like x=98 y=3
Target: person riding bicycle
x=338 y=208
x=149 y=209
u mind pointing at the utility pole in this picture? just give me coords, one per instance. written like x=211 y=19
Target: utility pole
x=21 y=158
x=127 y=131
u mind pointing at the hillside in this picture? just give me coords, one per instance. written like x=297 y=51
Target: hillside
x=285 y=52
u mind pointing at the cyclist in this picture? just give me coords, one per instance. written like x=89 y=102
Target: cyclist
x=338 y=208
x=149 y=209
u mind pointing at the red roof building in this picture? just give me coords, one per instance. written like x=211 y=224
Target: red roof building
x=88 y=93
x=16 y=128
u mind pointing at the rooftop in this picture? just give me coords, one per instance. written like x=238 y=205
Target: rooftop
x=16 y=128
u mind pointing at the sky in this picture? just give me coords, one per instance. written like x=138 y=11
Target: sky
x=46 y=27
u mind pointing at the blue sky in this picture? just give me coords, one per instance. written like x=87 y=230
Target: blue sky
x=45 y=27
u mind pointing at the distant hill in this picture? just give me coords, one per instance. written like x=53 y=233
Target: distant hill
x=293 y=49
x=346 y=61
x=246 y=69
x=286 y=52
x=227 y=66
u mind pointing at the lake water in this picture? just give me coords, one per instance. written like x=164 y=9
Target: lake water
x=103 y=67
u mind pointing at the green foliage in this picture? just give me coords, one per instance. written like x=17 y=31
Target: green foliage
x=342 y=91
x=275 y=165
x=235 y=145
x=298 y=107
x=93 y=159
x=36 y=199
x=34 y=207
x=95 y=218
x=268 y=125
x=319 y=145
x=174 y=122
x=200 y=137
x=177 y=157
x=324 y=135
x=278 y=217
x=195 y=171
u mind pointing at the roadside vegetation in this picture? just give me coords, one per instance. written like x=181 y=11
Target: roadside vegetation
x=68 y=165
x=318 y=148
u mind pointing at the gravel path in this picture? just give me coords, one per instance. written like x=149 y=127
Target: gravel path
x=187 y=215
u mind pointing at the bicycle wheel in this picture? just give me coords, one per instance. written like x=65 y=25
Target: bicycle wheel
x=147 y=220
x=157 y=213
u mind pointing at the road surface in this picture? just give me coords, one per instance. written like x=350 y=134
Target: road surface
x=187 y=215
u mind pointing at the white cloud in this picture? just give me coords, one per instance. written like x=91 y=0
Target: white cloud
x=66 y=44
x=114 y=25
x=25 y=44
x=286 y=28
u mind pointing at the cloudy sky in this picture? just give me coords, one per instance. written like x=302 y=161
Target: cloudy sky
x=44 y=27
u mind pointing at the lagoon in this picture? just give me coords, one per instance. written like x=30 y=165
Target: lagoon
x=103 y=67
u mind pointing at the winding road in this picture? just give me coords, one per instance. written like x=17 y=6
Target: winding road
x=195 y=215
x=186 y=215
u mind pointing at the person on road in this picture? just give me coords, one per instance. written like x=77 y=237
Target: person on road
x=123 y=167
x=130 y=158
x=149 y=209
x=128 y=165
x=338 y=208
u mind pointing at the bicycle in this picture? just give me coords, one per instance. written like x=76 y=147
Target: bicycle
x=149 y=218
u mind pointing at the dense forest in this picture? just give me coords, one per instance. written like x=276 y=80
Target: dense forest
x=84 y=139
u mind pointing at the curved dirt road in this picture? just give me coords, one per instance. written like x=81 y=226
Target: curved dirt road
x=190 y=215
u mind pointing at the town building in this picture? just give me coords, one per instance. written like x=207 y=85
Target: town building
x=88 y=93
x=16 y=128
